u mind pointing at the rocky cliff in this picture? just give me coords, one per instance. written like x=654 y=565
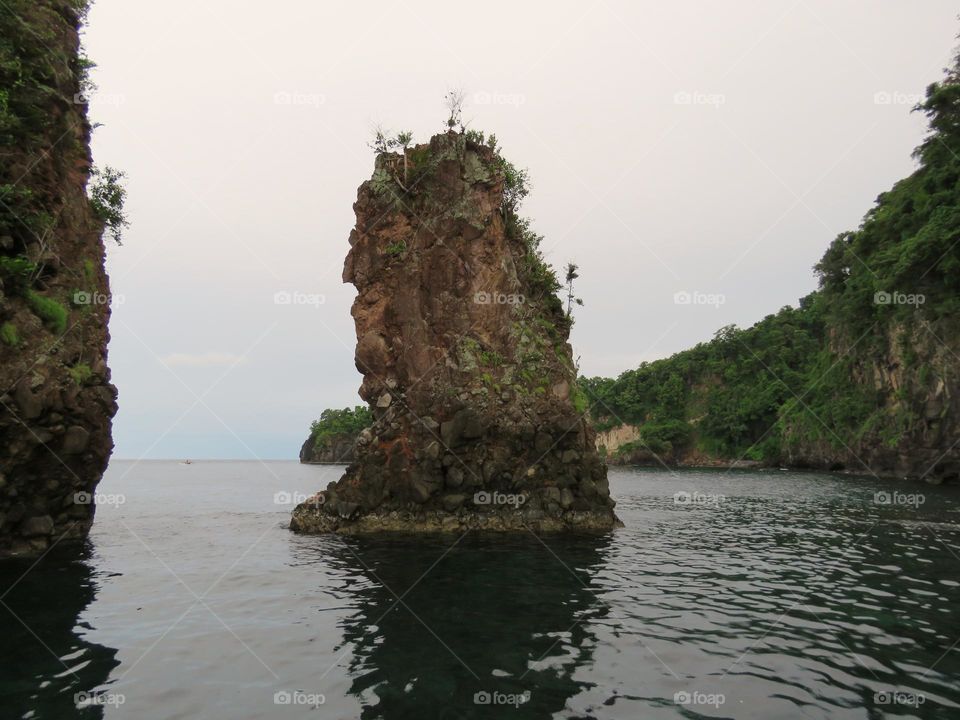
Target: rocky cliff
x=910 y=380
x=338 y=449
x=796 y=390
x=462 y=343
x=56 y=400
x=334 y=435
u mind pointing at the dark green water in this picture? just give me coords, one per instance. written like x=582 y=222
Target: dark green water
x=767 y=595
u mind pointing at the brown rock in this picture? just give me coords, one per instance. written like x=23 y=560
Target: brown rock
x=450 y=313
x=36 y=526
x=453 y=502
x=51 y=163
x=28 y=402
x=75 y=440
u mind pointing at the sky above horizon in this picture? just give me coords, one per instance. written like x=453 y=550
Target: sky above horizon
x=690 y=151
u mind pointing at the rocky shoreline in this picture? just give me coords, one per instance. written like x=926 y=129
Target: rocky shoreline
x=309 y=520
x=620 y=446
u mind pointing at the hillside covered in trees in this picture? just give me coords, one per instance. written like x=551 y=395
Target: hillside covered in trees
x=862 y=376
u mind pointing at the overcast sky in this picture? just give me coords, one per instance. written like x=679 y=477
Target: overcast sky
x=706 y=148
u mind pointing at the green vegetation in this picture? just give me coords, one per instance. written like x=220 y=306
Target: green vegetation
x=107 y=198
x=16 y=274
x=20 y=213
x=579 y=399
x=44 y=84
x=396 y=248
x=491 y=358
x=907 y=242
x=335 y=423
x=34 y=76
x=540 y=277
x=801 y=376
x=730 y=390
x=892 y=285
x=49 y=310
x=81 y=373
x=572 y=274
x=9 y=335
x=404 y=179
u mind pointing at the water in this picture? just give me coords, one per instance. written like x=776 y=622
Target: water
x=792 y=596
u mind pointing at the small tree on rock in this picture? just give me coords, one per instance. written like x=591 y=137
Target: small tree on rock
x=454 y=103
x=572 y=275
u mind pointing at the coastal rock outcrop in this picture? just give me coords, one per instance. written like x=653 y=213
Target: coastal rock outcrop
x=338 y=449
x=56 y=399
x=462 y=343
x=334 y=435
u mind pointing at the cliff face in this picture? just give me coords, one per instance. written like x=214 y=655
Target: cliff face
x=56 y=400
x=338 y=449
x=463 y=348
x=913 y=381
x=333 y=436
x=798 y=390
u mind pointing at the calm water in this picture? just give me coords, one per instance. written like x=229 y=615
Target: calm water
x=760 y=595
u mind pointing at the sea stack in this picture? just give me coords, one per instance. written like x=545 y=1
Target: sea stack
x=479 y=422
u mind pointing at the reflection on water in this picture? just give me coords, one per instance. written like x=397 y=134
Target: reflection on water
x=443 y=632
x=49 y=669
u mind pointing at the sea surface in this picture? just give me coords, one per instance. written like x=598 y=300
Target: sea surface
x=738 y=594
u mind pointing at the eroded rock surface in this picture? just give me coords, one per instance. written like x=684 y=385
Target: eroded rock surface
x=463 y=348
x=56 y=399
x=337 y=450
